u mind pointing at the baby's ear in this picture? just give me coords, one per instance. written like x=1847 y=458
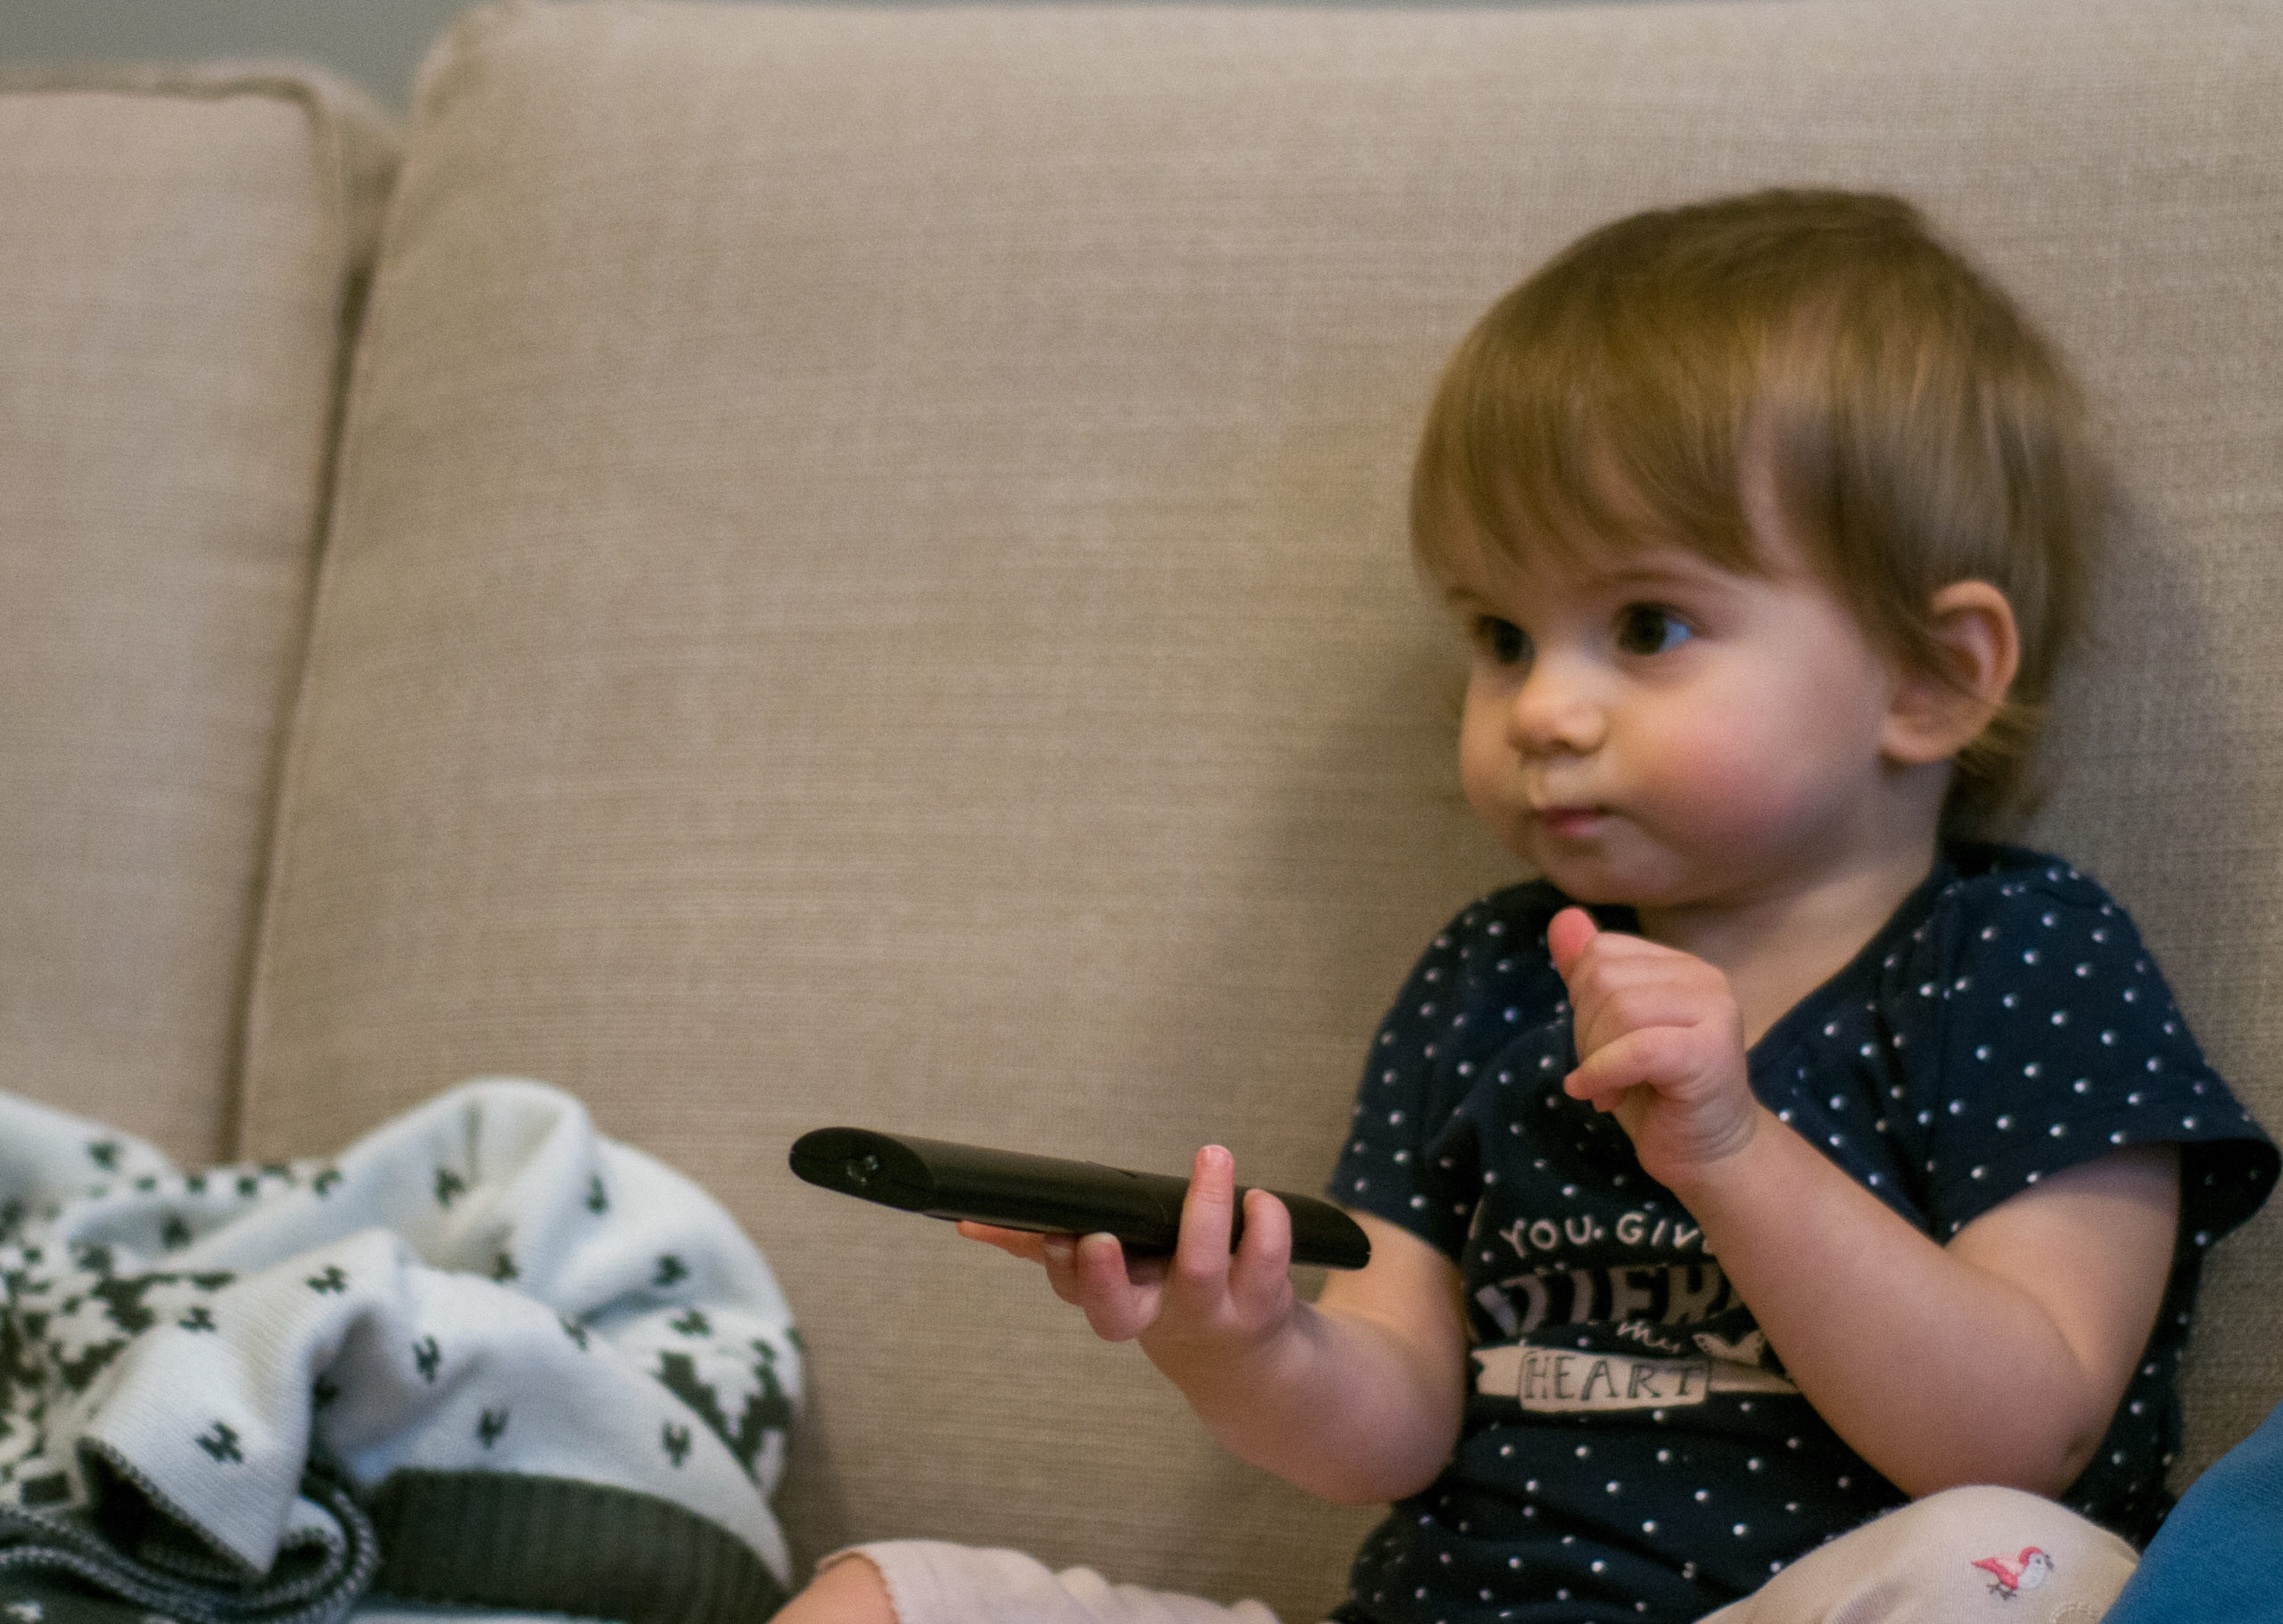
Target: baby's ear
x=1937 y=713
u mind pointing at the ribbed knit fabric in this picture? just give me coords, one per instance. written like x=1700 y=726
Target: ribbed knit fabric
x=551 y=1545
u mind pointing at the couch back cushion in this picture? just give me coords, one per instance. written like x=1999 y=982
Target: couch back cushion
x=870 y=588
x=179 y=252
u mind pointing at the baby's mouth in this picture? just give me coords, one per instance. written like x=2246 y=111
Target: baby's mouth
x=1569 y=822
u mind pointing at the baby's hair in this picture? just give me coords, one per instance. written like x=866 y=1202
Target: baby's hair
x=1919 y=430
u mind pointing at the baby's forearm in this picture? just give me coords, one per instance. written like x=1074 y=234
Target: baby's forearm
x=1335 y=1402
x=1998 y=1359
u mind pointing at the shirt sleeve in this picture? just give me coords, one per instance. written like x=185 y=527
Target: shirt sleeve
x=2060 y=1043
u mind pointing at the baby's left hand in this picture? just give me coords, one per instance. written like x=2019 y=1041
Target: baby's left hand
x=1661 y=1046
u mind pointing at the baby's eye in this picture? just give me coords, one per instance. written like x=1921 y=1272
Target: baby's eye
x=1503 y=641
x=1650 y=629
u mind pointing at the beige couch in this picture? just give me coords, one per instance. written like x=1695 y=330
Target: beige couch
x=857 y=575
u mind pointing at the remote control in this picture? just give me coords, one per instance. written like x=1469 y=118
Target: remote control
x=1045 y=1195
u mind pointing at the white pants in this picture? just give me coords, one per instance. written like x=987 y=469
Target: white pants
x=1957 y=1557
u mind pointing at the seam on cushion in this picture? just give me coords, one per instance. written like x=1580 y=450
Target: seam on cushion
x=360 y=315
x=357 y=154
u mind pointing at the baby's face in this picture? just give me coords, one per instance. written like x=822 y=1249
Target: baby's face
x=1646 y=727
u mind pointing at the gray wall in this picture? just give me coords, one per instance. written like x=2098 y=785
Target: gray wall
x=376 y=42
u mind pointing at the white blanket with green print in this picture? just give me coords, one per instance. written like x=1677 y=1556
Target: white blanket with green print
x=506 y=1343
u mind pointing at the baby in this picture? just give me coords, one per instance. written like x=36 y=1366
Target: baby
x=1786 y=1154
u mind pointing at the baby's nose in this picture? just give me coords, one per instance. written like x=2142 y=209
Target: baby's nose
x=1556 y=710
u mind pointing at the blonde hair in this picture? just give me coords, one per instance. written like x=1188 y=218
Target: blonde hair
x=1919 y=430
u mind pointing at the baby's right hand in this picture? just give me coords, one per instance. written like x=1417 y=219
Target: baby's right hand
x=1661 y=1046
x=1201 y=1301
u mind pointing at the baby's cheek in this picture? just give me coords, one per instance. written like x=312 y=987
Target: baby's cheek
x=1487 y=776
x=1730 y=784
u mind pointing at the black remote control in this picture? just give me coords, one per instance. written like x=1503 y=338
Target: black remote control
x=1046 y=1195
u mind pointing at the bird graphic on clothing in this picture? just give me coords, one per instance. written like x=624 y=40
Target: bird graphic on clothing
x=1745 y=1350
x=2027 y=1571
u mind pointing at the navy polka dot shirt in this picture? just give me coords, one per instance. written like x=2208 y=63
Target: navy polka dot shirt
x=1632 y=1449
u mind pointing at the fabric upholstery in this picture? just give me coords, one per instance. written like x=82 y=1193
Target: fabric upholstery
x=869 y=587
x=178 y=251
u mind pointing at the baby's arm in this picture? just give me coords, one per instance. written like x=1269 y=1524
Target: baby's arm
x=1357 y=1398
x=1998 y=1358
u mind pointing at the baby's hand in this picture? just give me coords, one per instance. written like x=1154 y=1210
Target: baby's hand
x=1202 y=1296
x=1661 y=1046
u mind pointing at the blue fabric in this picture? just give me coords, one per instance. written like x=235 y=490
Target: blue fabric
x=2219 y=1554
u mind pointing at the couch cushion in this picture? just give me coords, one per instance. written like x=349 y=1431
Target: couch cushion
x=178 y=255
x=870 y=588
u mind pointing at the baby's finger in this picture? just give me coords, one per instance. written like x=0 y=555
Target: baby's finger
x=1060 y=1254
x=1567 y=935
x=1118 y=1308
x=1017 y=1242
x=1650 y=1055
x=1261 y=1272
x=1208 y=1214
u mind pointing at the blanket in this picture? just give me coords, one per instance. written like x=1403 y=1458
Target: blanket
x=483 y=1356
x=2218 y=1557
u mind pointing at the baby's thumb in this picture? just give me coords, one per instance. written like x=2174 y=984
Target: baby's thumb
x=1566 y=936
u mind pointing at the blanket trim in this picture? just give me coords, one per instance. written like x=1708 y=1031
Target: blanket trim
x=557 y=1544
